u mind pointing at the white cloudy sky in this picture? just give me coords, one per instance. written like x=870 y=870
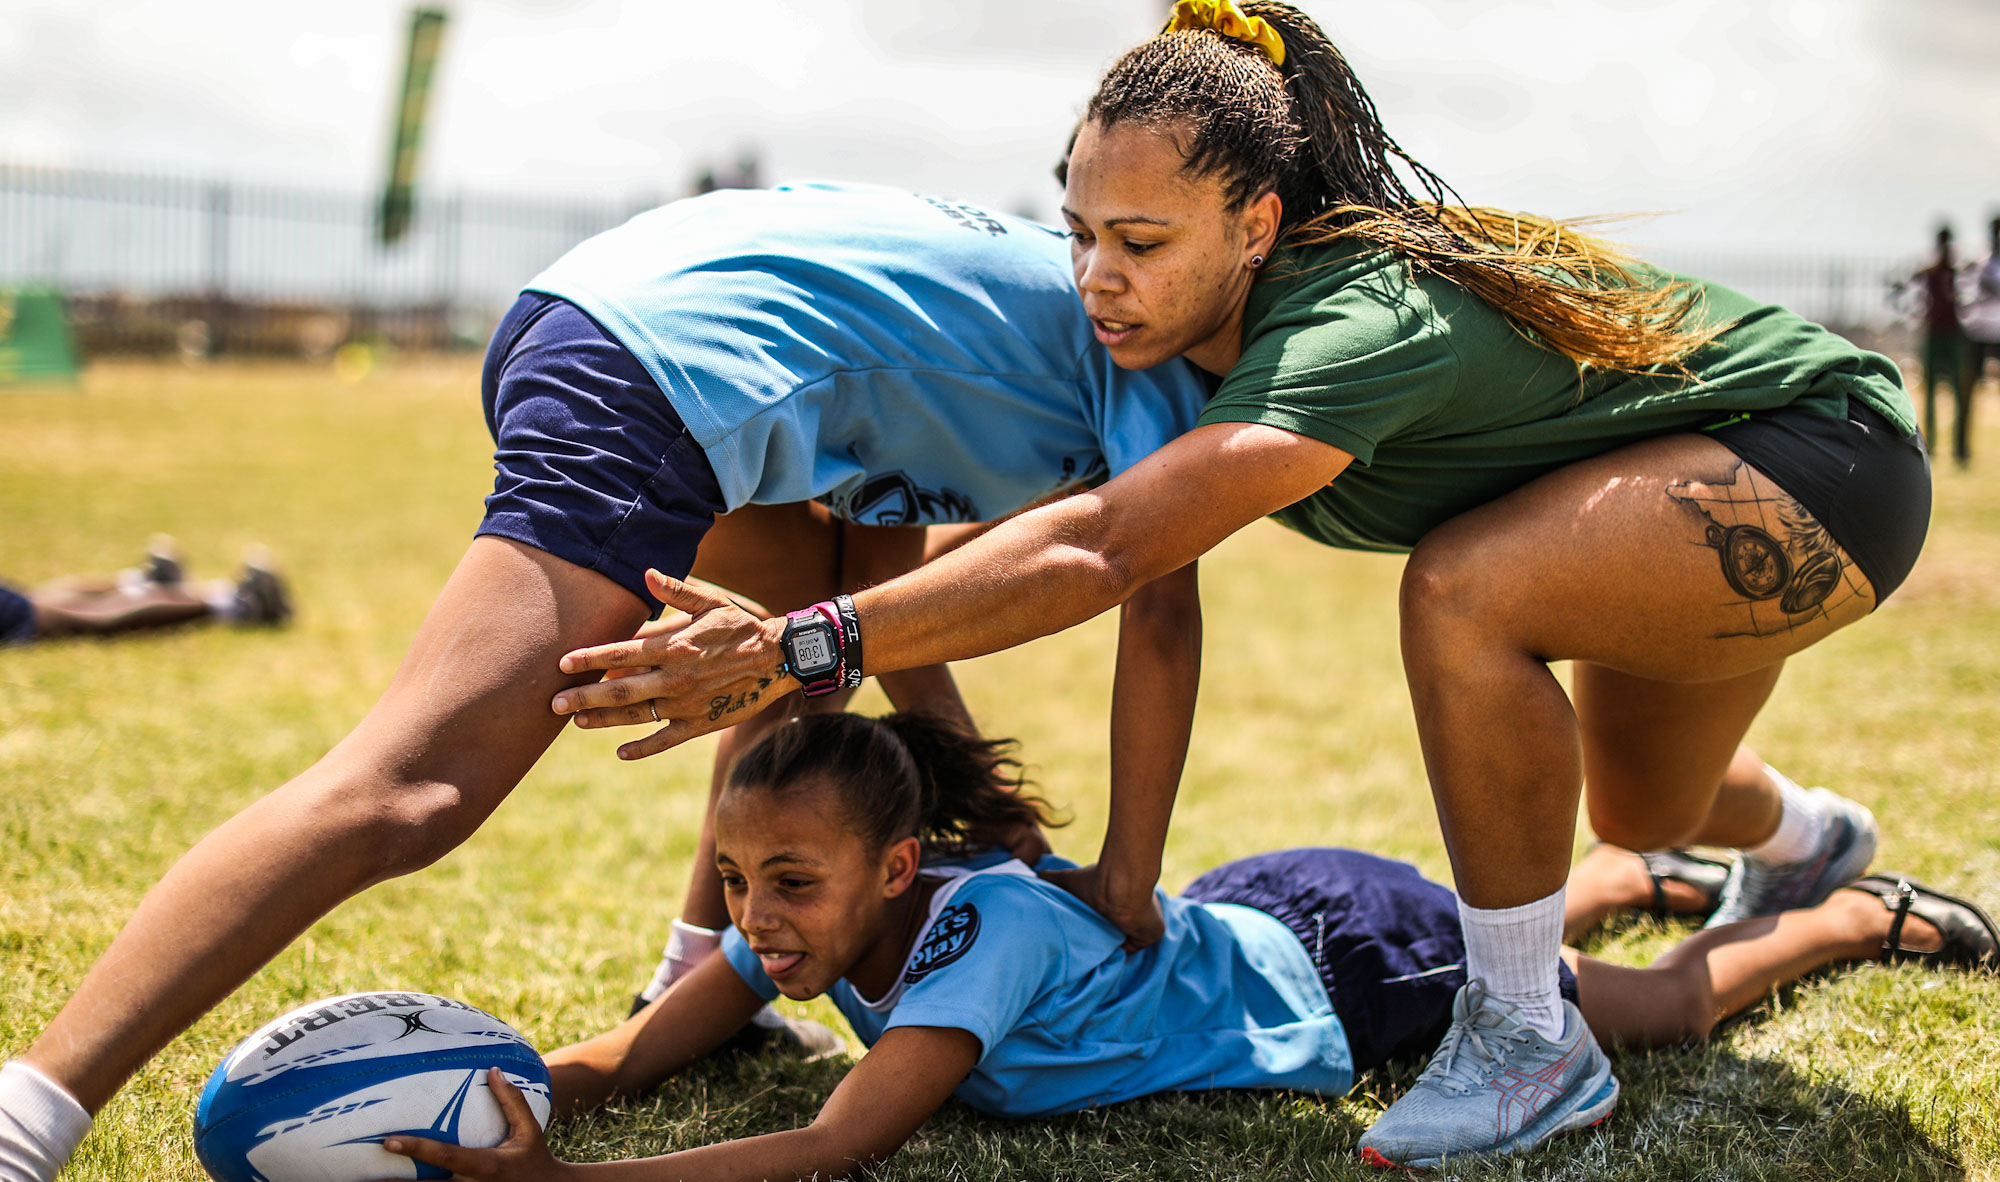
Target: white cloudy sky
x=1848 y=125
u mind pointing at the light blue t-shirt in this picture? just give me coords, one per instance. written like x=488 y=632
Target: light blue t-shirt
x=1066 y=1019
x=905 y=359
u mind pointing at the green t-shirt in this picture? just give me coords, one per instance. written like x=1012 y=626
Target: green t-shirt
x=1444 y=406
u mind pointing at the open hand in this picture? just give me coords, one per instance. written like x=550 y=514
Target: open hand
x=709 y=670
x=1130 y=905
x=523 y=1157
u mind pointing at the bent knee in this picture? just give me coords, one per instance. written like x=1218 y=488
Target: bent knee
x=1654 y=832
x=1450 y=581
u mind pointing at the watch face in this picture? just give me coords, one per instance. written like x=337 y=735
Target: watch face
x=812 y=653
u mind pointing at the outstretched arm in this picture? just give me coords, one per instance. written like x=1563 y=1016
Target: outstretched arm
x=1152 y=717
x=884 y=1100
x=1039 y=573
x=692 y=1018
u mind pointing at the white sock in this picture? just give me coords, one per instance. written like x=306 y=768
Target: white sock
x=687 y=947
x=1515 y=951
x=40 y=1124
x=1801 y=821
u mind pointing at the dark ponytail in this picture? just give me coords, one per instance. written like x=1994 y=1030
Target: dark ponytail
x=1309 y=132
x=901 y=775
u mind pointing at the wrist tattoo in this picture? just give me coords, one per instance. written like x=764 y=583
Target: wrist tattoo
x=723 y=704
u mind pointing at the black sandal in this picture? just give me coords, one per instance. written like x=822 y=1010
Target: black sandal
x=1970 y=939
x=1703 y=874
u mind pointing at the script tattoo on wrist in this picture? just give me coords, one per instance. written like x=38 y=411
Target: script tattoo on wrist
x=1774 y=554
x=731 y=705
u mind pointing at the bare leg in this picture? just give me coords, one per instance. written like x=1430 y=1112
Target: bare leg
x=1721 y=972
x=1608 y=880
x=1663 y=765
x=62 y=610
x=779 y=556
x=1962 y=387
x=464 y=719
x=1608 y=562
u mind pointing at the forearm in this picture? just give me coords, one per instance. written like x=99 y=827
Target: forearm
x=696 y=1015
x=1035 y=575
x=1152 y=717
x=1046 y=570
x=885 y=1099
x=807 y=1153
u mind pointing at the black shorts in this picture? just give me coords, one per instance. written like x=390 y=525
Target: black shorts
x=1861 y=478
x=1386 y=940
x=591 y=462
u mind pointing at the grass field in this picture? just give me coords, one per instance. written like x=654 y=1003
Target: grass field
x=115 y=757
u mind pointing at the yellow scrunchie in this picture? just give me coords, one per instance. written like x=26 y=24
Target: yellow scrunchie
x=1225 y=18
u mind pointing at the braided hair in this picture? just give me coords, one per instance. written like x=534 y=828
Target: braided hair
x=901 y=775
x=1309 y=132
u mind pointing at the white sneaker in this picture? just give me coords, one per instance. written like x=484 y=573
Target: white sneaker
x=1496 y=1085
x=1846 y=845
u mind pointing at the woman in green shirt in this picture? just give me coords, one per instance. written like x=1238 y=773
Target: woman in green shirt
x=1659 y=480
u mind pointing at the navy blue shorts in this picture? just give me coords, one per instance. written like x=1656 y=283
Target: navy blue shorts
x=592 y=463
x=17 y=617
x=1386 y=940
x=1861 y=478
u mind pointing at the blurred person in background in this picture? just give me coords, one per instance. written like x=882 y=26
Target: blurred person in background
x=1949 y=354
x=1982 y=315
x=155 y=594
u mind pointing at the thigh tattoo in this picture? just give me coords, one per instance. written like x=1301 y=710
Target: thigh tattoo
x=1780 y=562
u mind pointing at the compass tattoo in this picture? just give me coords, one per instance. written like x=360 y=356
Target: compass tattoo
x=1777 y=557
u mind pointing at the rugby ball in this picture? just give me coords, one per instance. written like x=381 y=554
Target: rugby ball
x=310 y=1096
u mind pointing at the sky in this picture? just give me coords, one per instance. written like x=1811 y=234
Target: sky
x=1781 y=126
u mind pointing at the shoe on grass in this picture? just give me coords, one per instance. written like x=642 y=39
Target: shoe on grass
x=1705 y=875
x=163 y=566
x=1757 y=887
x=1496 y=1085
x=261 y=598
x=770 y=1032
x=1970 y=940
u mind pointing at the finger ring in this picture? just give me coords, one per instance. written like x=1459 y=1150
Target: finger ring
x=654 y=706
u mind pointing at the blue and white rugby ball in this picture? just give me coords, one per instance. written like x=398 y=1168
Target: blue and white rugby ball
x=310 y=1097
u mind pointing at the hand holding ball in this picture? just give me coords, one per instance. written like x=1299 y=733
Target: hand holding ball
x=312 y=1096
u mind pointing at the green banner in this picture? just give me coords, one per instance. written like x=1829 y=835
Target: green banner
x=34 y=337
x=399 y=194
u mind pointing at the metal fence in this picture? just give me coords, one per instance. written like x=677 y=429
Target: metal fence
x=1864 y=297
x=152 y=264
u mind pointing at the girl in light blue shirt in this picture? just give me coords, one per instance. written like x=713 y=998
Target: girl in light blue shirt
x=841 y=843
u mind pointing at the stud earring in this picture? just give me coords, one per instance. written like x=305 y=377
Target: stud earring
x=1256 y=260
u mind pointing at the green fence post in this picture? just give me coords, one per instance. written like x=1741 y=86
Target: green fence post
x=35 y=342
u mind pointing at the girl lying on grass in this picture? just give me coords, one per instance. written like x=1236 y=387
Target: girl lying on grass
x=843 y=842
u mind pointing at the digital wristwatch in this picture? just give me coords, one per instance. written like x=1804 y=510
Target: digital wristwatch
x=822 y=647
